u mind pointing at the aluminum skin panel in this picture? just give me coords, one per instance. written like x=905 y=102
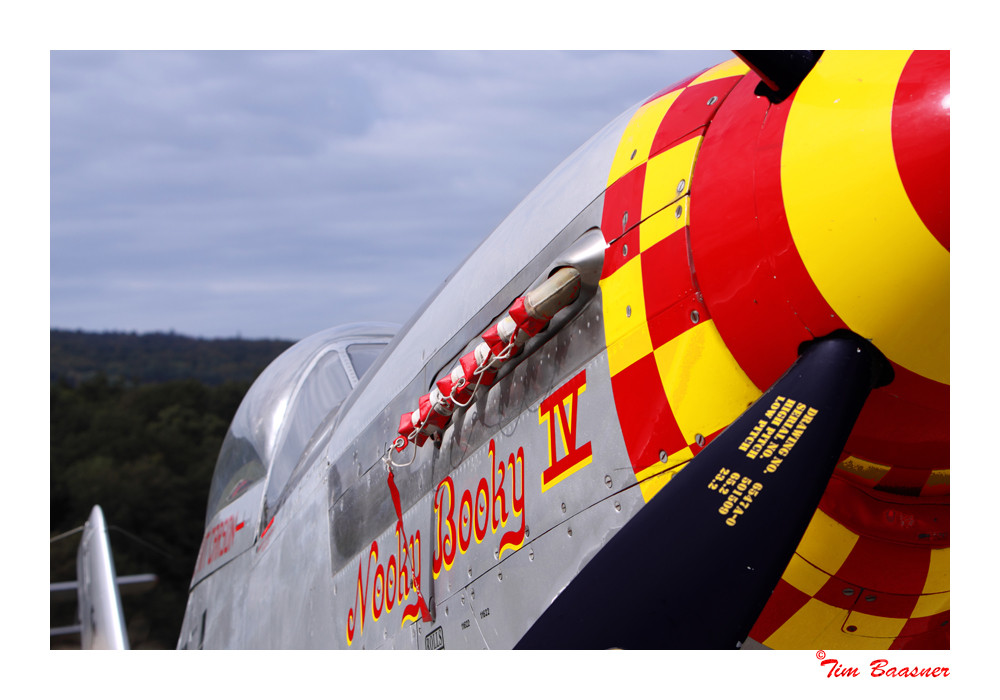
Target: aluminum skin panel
x=358 y=499
x=230 y=532
x=289 y=601
x=215 y=617
x=506 y=598
x=491 y=522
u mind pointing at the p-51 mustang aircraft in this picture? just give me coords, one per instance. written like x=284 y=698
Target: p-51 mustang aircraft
x=692 y=393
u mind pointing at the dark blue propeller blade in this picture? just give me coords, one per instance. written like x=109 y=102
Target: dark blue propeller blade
x=705 y=553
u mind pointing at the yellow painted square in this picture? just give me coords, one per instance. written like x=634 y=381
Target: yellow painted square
x=939 y=476
x=815 y=625
x=869 y=471
x=656 y=476
x=804 y=576
x=931 y=604
x=623 y=301
x=826 y=543
x=660 y=225
x=705 y=386
x=727 y=69
x=668 y=176
x=630 y=349
x=875 y=625
x=633 y=149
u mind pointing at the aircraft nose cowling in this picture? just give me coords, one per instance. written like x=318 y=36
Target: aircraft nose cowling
x=839 y=199
x=864 y=178
x=830 y=211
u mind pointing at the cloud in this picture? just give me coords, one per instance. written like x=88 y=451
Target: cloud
x=278 y=193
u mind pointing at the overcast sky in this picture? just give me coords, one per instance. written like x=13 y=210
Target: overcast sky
x=275 y=194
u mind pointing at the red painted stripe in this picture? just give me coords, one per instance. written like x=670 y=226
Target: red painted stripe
x=806 y=308
x=888 y=517
x=739 y=235
x=893 y=430
x=886 y=566
x=921 y=130
x=263 y=534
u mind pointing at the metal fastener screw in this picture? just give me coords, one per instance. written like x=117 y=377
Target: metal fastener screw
x=870 y=598
x=713 y=99
x=618 y=506
x=695 y=316
x=563 y=506
x=499 y=576
x=531 y=555
x=628 y=312
x=852 y=628
x=625 y=250
x=679 y=211
x=633 y=154
x=664 y=456
x=680 y=186
x=848 y=591
x=624 y=220
x=569 y=531
x=699 y=439
x=607 y=480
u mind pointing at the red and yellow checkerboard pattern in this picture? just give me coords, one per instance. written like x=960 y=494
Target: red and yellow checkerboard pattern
x=856 y=581
x=901 y=602
x=675 y=383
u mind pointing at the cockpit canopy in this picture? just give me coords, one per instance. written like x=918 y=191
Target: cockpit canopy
x=290 y=399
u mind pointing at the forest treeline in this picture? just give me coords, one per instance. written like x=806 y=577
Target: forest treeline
x=136 y=423
x=141 y=358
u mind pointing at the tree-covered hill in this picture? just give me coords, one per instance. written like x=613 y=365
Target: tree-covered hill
x=136 y=423
x=157 y=357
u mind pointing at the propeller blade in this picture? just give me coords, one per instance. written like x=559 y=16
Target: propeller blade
x=781 y=72
x=706 y=552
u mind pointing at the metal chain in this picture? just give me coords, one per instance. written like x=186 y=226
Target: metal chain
x=481 y=369
x=492 y=360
